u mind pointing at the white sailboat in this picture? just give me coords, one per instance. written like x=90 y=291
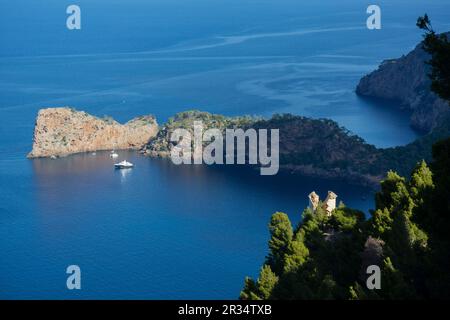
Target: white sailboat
x=123 y=165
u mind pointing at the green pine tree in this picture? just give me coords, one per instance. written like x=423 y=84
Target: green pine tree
x=280 y=237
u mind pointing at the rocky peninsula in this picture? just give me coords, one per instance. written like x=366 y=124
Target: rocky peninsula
x=405 y=80
x=63 y=131
x=313 y=147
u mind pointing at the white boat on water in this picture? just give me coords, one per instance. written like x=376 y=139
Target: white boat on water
x=123 y=165
x=113 y=154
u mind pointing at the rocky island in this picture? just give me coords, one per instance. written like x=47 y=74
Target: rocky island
x=63 y=131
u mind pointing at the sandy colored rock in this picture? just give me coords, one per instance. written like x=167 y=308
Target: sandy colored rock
x=63 y=131
x=313 y=200
x=330 y=202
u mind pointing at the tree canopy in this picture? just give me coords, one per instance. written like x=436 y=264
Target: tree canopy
x=325 y=257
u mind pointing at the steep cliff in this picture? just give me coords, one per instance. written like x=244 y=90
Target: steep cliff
x=406 y=80
x=63 y=131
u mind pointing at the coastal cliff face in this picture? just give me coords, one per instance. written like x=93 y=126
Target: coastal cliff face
x=406 y=80
x=63 y=131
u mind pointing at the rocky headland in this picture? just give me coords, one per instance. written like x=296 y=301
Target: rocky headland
x=312 y=147
x=405 y=80
x=63 y=131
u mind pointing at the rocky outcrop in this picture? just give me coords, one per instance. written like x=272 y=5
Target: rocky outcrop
x=330 y=202
x=406 y=80
x=371 y=255
x=63 y=131
x=328 y=205
x=313 y=200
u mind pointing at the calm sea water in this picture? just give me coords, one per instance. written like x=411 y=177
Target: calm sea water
x=159 y=230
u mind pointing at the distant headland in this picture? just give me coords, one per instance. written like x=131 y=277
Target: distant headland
x=405 y=80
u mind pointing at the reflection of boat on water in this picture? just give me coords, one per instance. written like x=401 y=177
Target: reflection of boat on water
x=123 y=165
x=124 y=173
x=113 y=154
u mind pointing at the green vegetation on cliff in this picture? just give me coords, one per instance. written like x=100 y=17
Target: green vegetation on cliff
x=326 y=256
x=161 y=145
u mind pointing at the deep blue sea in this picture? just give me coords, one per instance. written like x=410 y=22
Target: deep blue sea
x=161 y=231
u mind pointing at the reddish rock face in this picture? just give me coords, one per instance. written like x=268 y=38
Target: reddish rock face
x=63 y=131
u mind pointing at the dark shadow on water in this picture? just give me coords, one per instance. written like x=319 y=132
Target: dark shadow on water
x=392 y=108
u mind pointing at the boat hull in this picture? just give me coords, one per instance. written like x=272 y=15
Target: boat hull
x=122 y=167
